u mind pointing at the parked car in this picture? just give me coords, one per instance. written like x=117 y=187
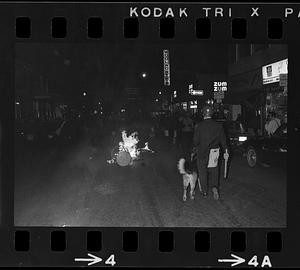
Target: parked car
x=267 y=150
x=235 y=134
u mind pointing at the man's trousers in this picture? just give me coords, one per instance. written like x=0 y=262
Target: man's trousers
x=209 y=177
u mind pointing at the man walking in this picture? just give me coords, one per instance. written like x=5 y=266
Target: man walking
x=208 y=137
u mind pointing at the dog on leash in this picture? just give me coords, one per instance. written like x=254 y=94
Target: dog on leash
x=189 y=177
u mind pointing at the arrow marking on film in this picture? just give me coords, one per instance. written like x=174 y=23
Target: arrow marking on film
x=237 y=260
x=94 y=259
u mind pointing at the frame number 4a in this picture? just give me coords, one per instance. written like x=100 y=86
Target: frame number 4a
x=266 y=261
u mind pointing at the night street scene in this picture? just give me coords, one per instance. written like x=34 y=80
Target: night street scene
x=151 y=135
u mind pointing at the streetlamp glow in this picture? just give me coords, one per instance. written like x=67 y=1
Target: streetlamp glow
x=156 y=100
x=144 y=75
x=84 y=93
x=159 y=92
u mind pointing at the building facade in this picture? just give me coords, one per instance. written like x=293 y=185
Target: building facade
x=257 y=91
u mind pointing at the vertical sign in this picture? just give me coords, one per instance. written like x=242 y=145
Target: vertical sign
x=167 y=80
x=191 y=87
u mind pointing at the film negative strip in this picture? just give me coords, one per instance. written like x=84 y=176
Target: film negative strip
x=149 y=134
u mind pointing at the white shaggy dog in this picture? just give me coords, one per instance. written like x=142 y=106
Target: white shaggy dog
x=189 y=177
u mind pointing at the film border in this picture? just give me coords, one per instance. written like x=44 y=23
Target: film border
x=147 y=254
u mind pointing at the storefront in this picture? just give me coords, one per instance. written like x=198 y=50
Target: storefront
x=258 y=85
x=257 y=93
x=275 y=85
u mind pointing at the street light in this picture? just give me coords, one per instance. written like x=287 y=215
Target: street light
x=144 y=75
x=84 y=93
x=159 y=92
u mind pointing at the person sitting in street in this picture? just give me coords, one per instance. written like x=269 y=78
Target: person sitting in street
x=272 y=124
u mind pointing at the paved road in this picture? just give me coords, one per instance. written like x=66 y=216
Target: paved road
x=79 y=188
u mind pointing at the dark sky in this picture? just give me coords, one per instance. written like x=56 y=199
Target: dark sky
x=107 y=68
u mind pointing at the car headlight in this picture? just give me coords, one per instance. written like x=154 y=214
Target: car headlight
x=242 y=138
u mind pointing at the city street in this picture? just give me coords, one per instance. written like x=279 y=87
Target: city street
x=79 y=188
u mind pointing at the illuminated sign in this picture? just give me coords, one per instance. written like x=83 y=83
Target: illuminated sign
x=195 y=92
x=271 y=73
x=193 y=104
x=167 y=80
x=220 y=86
